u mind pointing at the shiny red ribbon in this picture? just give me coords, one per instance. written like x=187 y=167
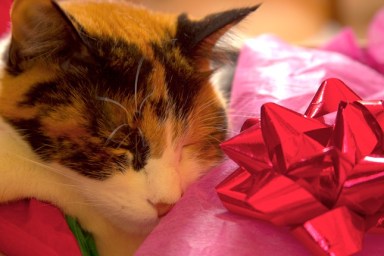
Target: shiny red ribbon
x=321 y=173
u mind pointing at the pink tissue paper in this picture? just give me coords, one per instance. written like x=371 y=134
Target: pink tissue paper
x=269 y=70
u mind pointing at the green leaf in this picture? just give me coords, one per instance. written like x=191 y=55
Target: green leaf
x=84 y=239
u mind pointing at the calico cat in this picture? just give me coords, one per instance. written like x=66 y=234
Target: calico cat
x=107 y=111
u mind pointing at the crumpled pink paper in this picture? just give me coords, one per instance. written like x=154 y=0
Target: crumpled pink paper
x=268 y=71
x=372 y=54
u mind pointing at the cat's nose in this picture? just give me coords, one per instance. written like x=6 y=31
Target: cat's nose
x=162 y=208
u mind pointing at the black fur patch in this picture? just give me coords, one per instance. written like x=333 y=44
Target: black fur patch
x=183 y=83
x=192 y=33
x=115 y=59
x=139 y=147
x=11 y=67
x=31 y=130
x=48 y=93
x=131 y=139
x=160 y=108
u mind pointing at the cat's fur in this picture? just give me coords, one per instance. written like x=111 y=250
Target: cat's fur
x=107 y=111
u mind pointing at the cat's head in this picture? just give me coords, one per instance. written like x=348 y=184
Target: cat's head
x=117 y=97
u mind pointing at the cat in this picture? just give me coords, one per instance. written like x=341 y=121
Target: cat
x=108 y=112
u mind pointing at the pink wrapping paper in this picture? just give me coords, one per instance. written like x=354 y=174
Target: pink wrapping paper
x=268 y=71
x=372 y=54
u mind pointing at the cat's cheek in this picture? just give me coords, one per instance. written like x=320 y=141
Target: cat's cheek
x=190 y=168
x=123 y=199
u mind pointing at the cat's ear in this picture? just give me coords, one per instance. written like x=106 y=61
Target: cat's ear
x=198 y=37
x=40 y=29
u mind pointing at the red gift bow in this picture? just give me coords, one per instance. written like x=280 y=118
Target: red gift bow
x=326 y=180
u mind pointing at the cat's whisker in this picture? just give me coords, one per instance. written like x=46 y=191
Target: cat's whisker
x=137 y=79
x=94 y=202
x=88 y=202
x=210 y=117
x=235 y=115
x=83 y=203
x=114 y=102
x=87 y=35
x=72 y=186
x=205 y=106
x=220 y=129
x=50 y=168
x=122 y=141
x=247 y=116
x=114 y=132
x=206 y=126
x=42 y=165
x=210 y=136
x=145 y=99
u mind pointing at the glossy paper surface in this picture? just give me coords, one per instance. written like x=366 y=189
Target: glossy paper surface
x=321 y=177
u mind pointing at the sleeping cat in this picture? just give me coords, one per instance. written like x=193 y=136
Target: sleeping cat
x=108 y=112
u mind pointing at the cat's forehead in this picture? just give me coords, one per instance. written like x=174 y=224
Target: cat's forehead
x=118 y=19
